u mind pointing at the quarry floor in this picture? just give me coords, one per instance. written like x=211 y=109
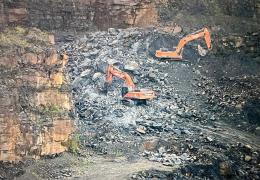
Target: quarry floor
x=92 y=166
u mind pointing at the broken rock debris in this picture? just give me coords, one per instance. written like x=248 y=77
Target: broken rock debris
x=167 y=130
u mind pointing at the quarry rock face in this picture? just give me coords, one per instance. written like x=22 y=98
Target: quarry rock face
x=34 y=118
x=78 y=15
x=82 y=15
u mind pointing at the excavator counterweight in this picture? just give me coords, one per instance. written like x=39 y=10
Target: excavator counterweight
x=177 y=54
x=129 y=91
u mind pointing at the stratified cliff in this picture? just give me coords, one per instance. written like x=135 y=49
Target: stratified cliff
x=79 y=15
x=34 y=102
x=83 y=15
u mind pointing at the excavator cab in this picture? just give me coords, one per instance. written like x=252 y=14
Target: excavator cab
x=177 y=53
x=139 y=96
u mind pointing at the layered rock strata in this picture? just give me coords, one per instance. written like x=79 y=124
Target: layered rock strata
x=84 y=15
x=34 y=101
x=78 y=15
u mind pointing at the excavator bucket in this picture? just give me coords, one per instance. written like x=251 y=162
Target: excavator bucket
x=207 y=38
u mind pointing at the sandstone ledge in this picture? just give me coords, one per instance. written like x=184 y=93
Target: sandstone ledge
x=34 y=111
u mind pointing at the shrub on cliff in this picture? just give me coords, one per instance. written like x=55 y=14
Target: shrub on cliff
x=32 y=39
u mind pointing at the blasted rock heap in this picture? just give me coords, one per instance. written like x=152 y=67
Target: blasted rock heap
x=174 y=128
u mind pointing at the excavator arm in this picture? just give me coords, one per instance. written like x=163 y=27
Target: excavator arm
x=177 y=54
x=112 y=71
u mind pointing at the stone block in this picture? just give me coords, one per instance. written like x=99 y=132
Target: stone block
x=51 y=97
x=8 y=62
x=52 y=59
x=151 y=144
x=17 y=15
x=57 y=78
x=30 y=58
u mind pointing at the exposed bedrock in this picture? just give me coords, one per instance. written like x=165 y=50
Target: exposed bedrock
x=82 y=15
x=34 y=103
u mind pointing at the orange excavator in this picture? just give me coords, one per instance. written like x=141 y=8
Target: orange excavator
x=129 y=91
x=177 y=54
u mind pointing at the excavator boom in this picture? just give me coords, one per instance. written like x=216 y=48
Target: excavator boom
x=178 y=51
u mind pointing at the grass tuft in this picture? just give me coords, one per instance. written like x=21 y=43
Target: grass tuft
x=74 y=144
x=33 y=39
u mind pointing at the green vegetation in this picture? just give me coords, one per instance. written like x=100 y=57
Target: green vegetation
x=73 y=144
x=50 y=109
x=33 y=38
x=13 y=36
x=45 y=112
x=35 y=175
x=118 y=153
x=55 y=109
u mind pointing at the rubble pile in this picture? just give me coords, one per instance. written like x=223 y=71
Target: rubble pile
x=231 y=81
x=236 y=100
x=176 y=128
